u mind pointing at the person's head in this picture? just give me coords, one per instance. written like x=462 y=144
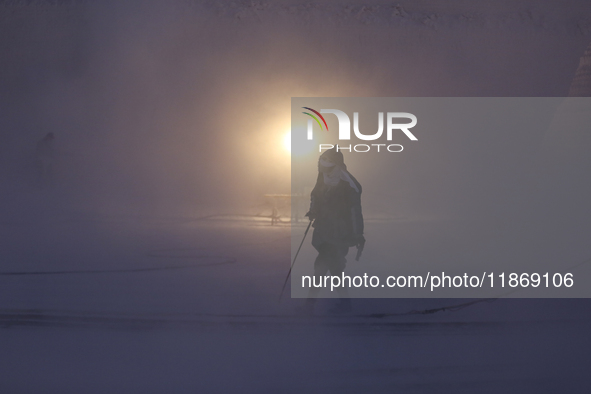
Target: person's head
x=329 y=159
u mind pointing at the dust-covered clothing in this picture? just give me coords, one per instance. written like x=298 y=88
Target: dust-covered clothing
x=337 y=210
x=335 y=207
x=330 y=258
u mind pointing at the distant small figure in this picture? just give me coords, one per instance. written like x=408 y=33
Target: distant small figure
x=335 y=207
x=44 y=157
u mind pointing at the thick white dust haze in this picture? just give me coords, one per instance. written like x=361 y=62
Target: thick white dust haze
x=181 y=107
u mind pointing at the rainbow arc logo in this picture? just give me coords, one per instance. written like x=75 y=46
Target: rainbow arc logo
x=316 y=119
x=388 y=124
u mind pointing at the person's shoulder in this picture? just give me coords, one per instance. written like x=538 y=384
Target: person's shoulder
x=357 y=184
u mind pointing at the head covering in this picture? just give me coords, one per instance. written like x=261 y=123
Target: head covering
x=334 y=156
x=332 y=166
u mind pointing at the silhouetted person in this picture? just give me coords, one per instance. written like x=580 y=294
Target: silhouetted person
x=335 y=207
x=44 y=157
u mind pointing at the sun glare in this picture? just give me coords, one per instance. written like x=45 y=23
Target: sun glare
x=297 y=145
x=287 y=141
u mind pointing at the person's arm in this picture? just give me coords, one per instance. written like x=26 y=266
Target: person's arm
x=355 y=204
x=313 y=211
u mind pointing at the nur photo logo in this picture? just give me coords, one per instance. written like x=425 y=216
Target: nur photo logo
x=393 y=126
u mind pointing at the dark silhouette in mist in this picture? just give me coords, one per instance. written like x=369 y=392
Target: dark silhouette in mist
x=335 y=207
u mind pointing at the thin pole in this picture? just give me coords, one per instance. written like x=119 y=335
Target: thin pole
x=294 y=260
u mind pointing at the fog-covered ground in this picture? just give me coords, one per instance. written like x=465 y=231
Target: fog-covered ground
x=142 y=267
x=124 y=304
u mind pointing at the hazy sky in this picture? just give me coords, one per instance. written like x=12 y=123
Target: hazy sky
x=183 y=105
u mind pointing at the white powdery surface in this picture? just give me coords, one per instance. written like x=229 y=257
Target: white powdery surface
x=206 y=318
